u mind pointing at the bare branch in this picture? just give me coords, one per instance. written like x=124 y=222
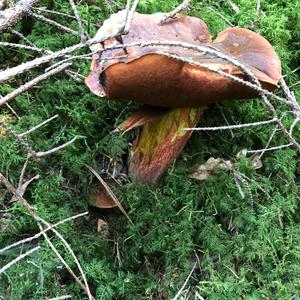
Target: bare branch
x=10 y=16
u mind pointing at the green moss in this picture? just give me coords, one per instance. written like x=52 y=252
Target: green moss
x=244 y=251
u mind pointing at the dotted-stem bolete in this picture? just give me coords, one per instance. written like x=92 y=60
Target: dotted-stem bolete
x=157 y=75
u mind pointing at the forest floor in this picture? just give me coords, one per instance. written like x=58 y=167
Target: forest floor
x=238 y=236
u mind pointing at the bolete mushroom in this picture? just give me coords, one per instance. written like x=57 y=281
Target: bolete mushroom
x=154 y=76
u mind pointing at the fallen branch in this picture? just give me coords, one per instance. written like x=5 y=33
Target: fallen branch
x=10 y=16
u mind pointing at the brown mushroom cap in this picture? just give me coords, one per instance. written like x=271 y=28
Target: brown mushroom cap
x=143 y=75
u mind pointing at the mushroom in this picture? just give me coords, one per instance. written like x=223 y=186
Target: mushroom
x=174 y=77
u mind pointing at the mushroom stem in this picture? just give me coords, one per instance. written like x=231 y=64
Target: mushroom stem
x=160 y=142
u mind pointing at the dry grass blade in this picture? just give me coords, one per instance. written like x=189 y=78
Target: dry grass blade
x=109 y=191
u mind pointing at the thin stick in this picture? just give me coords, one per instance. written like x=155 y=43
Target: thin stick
x=221 y=16
x=129 y=15
x=21 y=46
x=25 y=87
x=22 y=36
x=38 y=126
x=268 y=142
x=270 y=149
x=20 y=257
x=232 y=126
x=82 y=34
x=224 y=117
x=85 y=286
x=45 y=153
x=12 y=110
x=36 y=236
x=21 y=178
x=54 y=12
x=53 y=23
x=185 y=283
x=68 y=247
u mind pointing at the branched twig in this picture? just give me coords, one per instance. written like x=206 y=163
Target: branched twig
x=30 y=152
x=22 y=140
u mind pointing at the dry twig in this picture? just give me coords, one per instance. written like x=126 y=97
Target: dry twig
x=10 y=16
